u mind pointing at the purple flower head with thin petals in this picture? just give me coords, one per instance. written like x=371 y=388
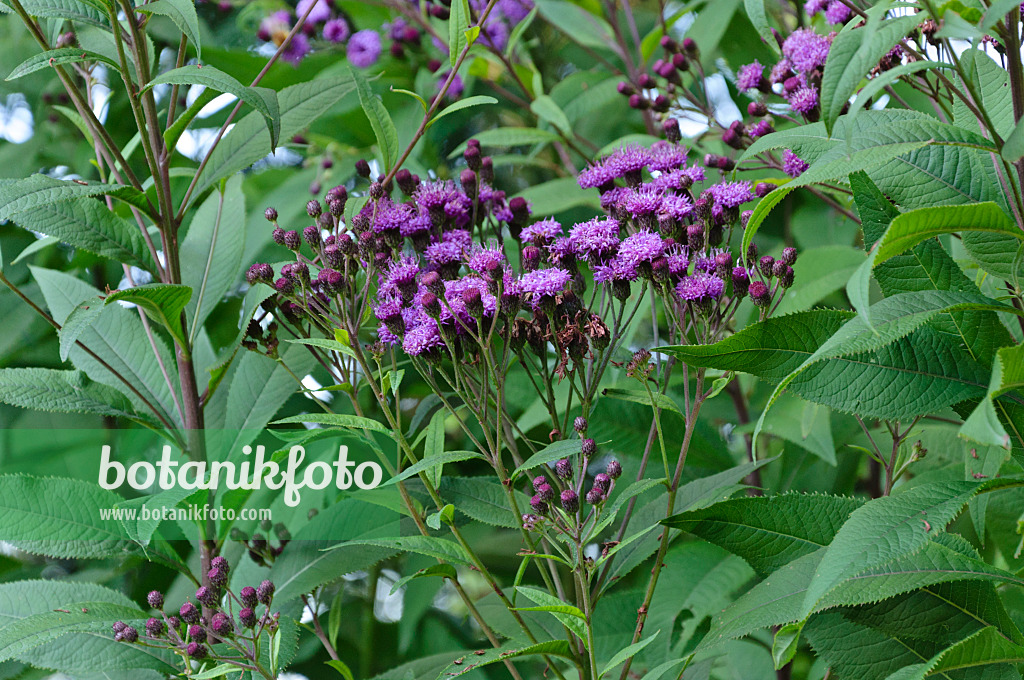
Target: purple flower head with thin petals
x=804 y=100
x=759 y=129
x=749 y=76
x=643 y=246
x=400 y=274
x=562 y=251
x=453 y=295
x=665 y=156
x=731 y=194
x=540 y=233
x=337 y=30
x=699 y=287
x=611 y=198
x=449 y=249
x=415 y=224
x=297 y=49
x=806 y=49
x=615 y=271
x=792 y=164
x=596 y=239
x=483 y=260
x=812 y=7
x=597 y=175
x=678 y=260
x=837 y=13
x=515 y=10
x=629 y=160
x=641 y=201
x=320 y=13
x=435 y=195
x=364 y=48
x=422 y=339
x=675 y=206
x=545 y=282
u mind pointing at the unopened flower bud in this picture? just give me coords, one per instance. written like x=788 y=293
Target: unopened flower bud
x=763 y=189
x=292 y=240
x=637 y=102
x=759 y=293
x=473 y=157
x=603 y=481
x=248 y=596
x=671 y=128
x=539 y=505
x=405 y=183
x=363 y=168
x=314 y=209
x=189 y=613
x=680 y=62
x=731 y=138
x=580 y=424
x=247 y=617
x=197 y=633
x=207 y=596
x=757 y=109
x=789 y=256
x=766 y=265
x=222 y=625
x=155 y=599
x=265 y=592
x=155 y=628
x=546 y=492
x=270 y=214
x=469 y=183
x=740 y=282
x=690 y=46
x=695 y=236
x=589 y=447
x=570 y=501
x=129 y=635
x=196 y=650
x=595 y=496
x=563 y=468
x=520 y=210
x=786 y=277
x=487 y=169
x=614 y=469
x=312 y=236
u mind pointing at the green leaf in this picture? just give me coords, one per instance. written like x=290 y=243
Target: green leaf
x=183 y=14
x=989 y=79
x=117 y=337
x=548 y=110
x=443 y=570
x=325 y=343
x=854 y=53
x=983 y=424
x=1013 y=147
x=866 y=95
x=652 y=400
x=458 y=22
x=986 y=647
x=465 y=664
x=220 y=671
x=483 y=499
x=557 y=195
x=263 y=99
x=87 y=224
x=26 y=634
x=569 y=616
x=81 y=318
x=439 y=548
x=549 y=454
x=211 y=253
x=587 y=29
x=247 y=141
x=35 y=191
x=769 y=532
x=758 y=17
x=626 y=653
x=342 y=669
x=48 y=389
x=380 y=120
x=87 y=11
x=519 y=31
x=57 y=57
x=466 y=103
x=162 y=302
x=430 y=462
x=339 y=420
x=59 y=517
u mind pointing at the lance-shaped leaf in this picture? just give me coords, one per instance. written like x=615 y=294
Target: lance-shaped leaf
x=985 y=648
x=983 y=425
x=263 y=99
x=549 y=454
x=57 y=57
x=47 y=389
x=183 y=14
x=162 y=302
x=569 y=616
x=468 y=662
x=380 y=120
x=87 y=11
x=35 y=191
x=26 y=634
x=432 y=546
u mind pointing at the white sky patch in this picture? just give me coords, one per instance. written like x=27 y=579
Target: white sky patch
x=194 y=144
x=315 y=389
x=17 y=124
x=387 y=607
x=100 y=93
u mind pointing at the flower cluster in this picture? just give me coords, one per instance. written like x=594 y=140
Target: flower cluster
x=322 y=24
x=505 y=16
x=234 y=620
x=656 y=90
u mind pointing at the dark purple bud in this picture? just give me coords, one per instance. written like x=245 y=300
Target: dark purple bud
x=637 y=102
x=270 y=214
x=695 y=235
x=404 y=180
x=786 y=277
x=129 y=635
x=789 y=256
x=690 y=45
x=589 y=447
x=668 y=43
x=313 y=209
x=539 y=505
x=312 y=236
x=759 y=293
x=474 y=303
x=220 y=563
x=563 y=468
x=603 y=481
x=595 y=496
x=486 y=170
x=757 y=109
x=614 y=469
x=520 y=210
x=189 y=613
x=740 y=281
x=155 y=597
x=363 y=168
x=570 y=501
x=779 y=268
x=258 y=273
x=469 y=184
x=207 y=596
x=763 y=189
x=671 y=128
x=265 y=592
x=680 y=62
x=431 y=304
x=645 y=81
x=278 y=236
x=248 y=596
x=377 y=191
x=284 y=286
x=197 y=633
x=531 y=258
x=155 y=628
x=338 y=193
x=173 y=622
x=580 y=424
x=118 y=626
x=221 y=625
x=333 y=255
x=731 y=138
x=196 y=650
x=292 y=240
x=545 y=492
x=247 y=617
x=473 y=157
x=723 y=265
x=539 y=481
x=666 y=70
x=766 y=264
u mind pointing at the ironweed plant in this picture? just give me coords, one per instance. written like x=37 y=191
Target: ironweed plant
x=630 y=339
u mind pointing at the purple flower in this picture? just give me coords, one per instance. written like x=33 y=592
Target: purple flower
x=297 y=50
x=837 y=13
x=760 y=129
x=275 y=27
x=336 y=30
x=678 y=260
x=792 y=164
x=434 y=196
x=422 y=339
x=539 y=233
x=804 y=100
x=806 y=49
x=415 y=225
x=611 y=198
x=782 y=70
x=562 y=251
x=641 y=201
x=597 y=175
x=675 y=206
x=665 y=156
x=700 y=287
x=544 y=283
x=453 y=295
x=595 y=240
x=750 y=76
x=812 y=7
x=321 y=10
x=643 y=246
x=615 y=271
x=445 y=251
x=364 y=48
x=457 y=87
x=628 y=161
x=483 y=260
x=515 y=10
x=731 y=194
x=495 y=33
x=401 y=275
